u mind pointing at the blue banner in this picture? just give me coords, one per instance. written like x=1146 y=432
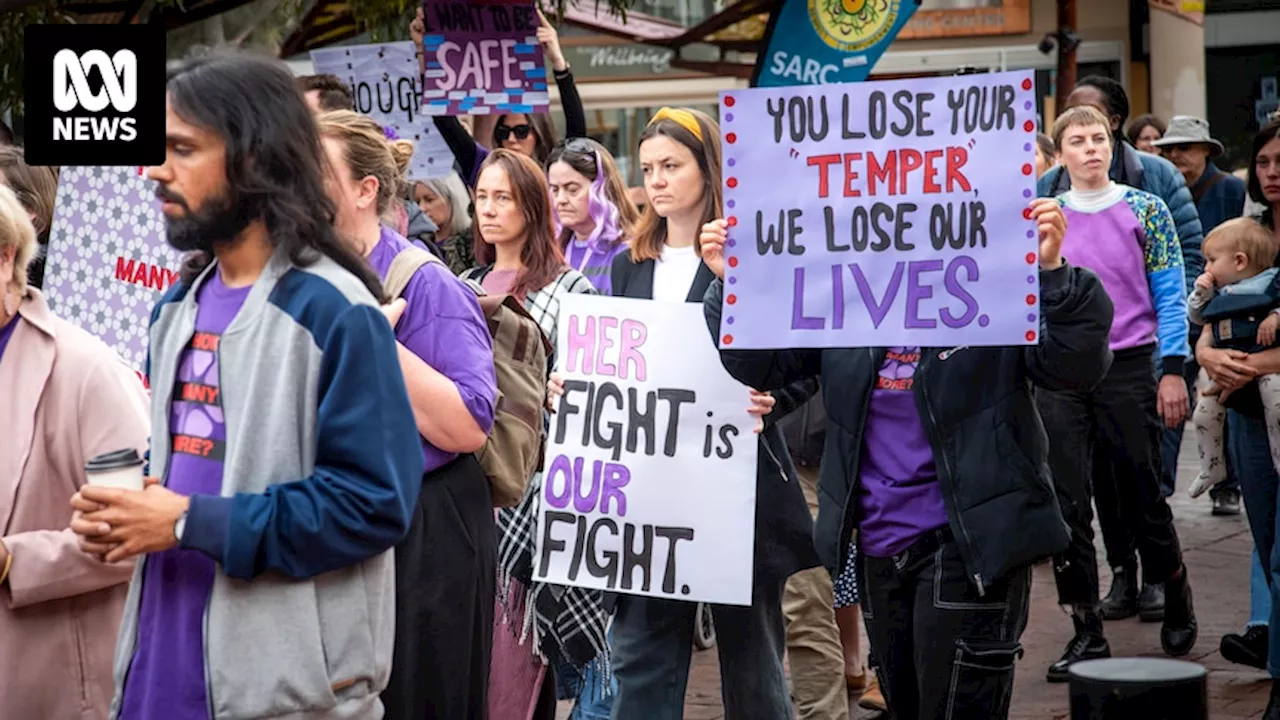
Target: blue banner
x=817 y=42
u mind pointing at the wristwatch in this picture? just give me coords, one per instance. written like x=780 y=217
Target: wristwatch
x=180 y=525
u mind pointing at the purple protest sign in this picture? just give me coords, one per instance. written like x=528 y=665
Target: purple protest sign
x=109 y=260
x=881 y=214
x=482 y=59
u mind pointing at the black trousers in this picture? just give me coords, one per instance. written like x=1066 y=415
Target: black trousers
x=941 y=650
x=445 y=582
x=1106 y=443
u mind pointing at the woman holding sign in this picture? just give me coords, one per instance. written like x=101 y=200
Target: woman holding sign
x=946 y=487
x=653 y=637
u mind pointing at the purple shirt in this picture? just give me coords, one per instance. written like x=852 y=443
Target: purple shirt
x=6 y=332
x=899 y=498
x=442 y=324
x=166 y=680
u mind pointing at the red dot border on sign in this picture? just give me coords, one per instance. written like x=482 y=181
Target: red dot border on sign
x=1029 y=126
x=1026 y=214
x=1026 y=84
x=1031 y=299
x=731 y=221
x=728 y=339
x=1027 y=169
x=728 y=101
x=733 y=262
x=1031 y=336
x=732 y=182
x=731 y=138
x=731 y=299
x=1031 y=258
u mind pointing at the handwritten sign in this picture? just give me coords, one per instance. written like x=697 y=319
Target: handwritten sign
x=109 y=260
x=384 y=82
x=650 y=478
x=904 y=220
x=483 y=58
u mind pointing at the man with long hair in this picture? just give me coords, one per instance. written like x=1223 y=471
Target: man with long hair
x=284 y=452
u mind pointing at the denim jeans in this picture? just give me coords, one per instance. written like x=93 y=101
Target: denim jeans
x=1249 y=448
x=586 y=689
x=943 y=651
x=1259 y=594
x=653 y=645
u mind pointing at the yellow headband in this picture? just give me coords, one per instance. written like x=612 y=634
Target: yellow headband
x=683 y=118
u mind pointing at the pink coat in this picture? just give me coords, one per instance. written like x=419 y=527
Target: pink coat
x=64 y=397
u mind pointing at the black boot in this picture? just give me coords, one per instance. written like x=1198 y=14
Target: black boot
x=1151 y=603
x=1178 y=635
x=1122 y=599
x=1273 y=706
x=1247 y=649
x=1088 y=644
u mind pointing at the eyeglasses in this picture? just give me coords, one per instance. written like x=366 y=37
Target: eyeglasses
x=502 y=132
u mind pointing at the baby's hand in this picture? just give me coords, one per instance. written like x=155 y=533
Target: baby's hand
x=1205 y=281
x=1267 y=330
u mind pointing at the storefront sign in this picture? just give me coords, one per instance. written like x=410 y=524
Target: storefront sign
x=650 y=479
x=818 y=42
x=905 y=220
x=968 y=18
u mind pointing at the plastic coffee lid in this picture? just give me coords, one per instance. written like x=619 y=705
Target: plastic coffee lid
x=113 y=460
x=1138 y=670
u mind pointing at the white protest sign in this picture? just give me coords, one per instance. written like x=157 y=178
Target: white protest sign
x=383 y=78
x=649 y=484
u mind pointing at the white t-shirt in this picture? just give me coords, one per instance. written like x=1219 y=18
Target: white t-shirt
x=673 y=273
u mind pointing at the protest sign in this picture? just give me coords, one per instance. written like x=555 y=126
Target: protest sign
x=483 y=58
x=904 y=219
x=109 y=259
x=818 y=42
x=650 y=476
x=384 y=83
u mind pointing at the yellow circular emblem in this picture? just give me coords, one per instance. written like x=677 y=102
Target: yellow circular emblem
x=852 y=25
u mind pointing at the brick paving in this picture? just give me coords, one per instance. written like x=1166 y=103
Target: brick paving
x=1216 y=550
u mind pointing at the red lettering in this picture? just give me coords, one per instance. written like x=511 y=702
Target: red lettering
x=956 y=159
x=205 y=341
x=824 y=162
x=911 y=160
x=931 y=185
x=124 y=269
x=878 y=173
x=139 y=274
x=156 y=278
x=850 y=174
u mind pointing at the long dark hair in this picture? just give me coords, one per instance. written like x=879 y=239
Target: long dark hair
x=273 y=155
x=1269 y=132
x=541 y=257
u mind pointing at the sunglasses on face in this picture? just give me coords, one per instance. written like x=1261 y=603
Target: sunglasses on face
x=502 y=132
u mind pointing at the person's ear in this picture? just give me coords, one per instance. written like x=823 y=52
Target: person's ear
x=368 y=196
x=1242 y=261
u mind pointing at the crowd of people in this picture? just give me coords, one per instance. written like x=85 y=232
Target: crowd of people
x=338 y=517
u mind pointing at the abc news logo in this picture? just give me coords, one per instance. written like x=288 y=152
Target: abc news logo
x=71 y=90
x=94 y=94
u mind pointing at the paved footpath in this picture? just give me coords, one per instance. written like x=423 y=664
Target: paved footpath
x=1216 y=550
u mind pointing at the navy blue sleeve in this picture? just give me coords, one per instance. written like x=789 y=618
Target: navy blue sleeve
x=368 y=471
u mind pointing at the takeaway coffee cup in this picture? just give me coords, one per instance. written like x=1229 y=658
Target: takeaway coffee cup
x=119 y=469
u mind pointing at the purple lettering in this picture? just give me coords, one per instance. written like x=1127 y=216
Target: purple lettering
x=917 y=291
x=877 y=308
x=954 y=286
x=559 y=467
x=616 y=477
x=798 y=319
x=585 y=503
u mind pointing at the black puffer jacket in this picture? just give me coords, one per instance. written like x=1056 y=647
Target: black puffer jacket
x=988 y=441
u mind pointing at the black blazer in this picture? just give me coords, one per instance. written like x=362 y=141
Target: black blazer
x=784 y=527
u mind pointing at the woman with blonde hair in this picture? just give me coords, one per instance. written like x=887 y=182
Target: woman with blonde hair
x=66 y=398
x=593 y=213
x=36 y=187
x=447 y=202
x=445 y=566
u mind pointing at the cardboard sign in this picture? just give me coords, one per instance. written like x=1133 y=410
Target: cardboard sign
x=650 y=478
x=483 y=59
x=905 y=219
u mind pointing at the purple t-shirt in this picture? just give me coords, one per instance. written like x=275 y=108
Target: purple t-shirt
x=166 y=680
x=6 y=332
x=443 y=325
x=898 y=494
